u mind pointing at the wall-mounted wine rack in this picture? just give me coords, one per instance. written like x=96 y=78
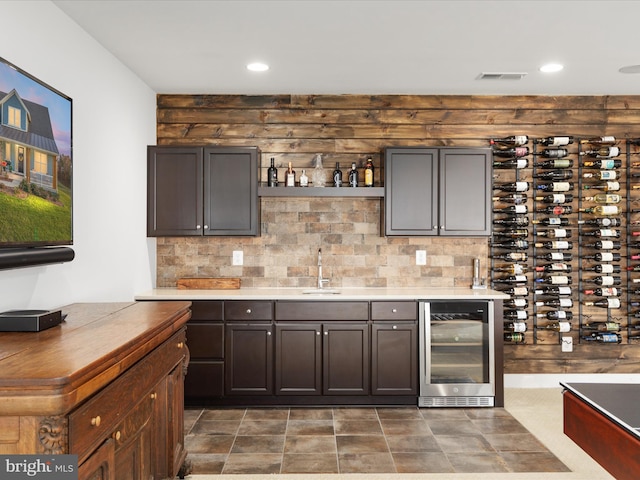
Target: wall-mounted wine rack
x=566 y=240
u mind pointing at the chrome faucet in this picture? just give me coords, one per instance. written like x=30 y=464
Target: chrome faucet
x=321 y=281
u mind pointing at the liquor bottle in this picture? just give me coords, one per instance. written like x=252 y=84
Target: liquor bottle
x=304 y=179
x=337 y=176
x=555 y=198
x=606 y=187
x=560 y=302
x=555 y=141
x=272 y=175
x=515 y=314
x=556 y=163
x=603 y=152
x=554 y=267
x=513 y=268
x=602 y=232
x=604 y=292
x=556 y=210
x=514 y=152
x=556 y=315
x=554 y=290
x=605 y=268
x=604 y=303
x=603 y=257
x=513 y=163
x=512 y=279
x=515 y=198
x=512 y=233
x=511 y=187
x=512 y=256
x=513 y=140
x=602 y=175
x=603 y=164
x=554 y=233
x=512 y=244
x=516 y=221
x=603 y=210
x=368 y=173
x=519 y=291
x=514 y=337
x=555 y=280
x=604 y=245
x=353 y=176
x=551 y=221
x=555 y=187
x=513 y=209
x=516 y=303
x=519 y=327
x=561 y=327
x=555 y=175
x=606 y=337
x=554 y=152
x=606 y=198
x=555 y=245
x=608 y=140
x=290 y=177
x=555 y=256
x=605 y=280
x=601 y=222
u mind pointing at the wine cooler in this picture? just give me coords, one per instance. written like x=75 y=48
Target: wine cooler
x=456 y=354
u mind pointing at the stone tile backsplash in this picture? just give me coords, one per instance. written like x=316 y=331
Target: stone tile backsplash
x=354 y=253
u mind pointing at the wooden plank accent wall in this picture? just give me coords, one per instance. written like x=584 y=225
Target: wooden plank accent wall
x=350 y=128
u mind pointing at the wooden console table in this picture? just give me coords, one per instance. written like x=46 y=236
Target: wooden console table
x=604 y=420
x=106 y=384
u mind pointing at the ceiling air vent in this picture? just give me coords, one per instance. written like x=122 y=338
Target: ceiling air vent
x=501 y=76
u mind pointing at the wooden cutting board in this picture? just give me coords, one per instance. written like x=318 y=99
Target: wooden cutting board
x=208 y=283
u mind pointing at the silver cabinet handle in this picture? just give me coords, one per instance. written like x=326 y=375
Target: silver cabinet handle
x=198 y=227
x=269 y=334
x=206 y=227
x=248 y=310
x=395 y=327
x=394 y=310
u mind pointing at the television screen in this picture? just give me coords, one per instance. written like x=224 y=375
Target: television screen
x=35 y=162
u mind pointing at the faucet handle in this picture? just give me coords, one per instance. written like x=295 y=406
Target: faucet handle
x=324 y=280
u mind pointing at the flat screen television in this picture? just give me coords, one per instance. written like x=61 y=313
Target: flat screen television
x=36 y=196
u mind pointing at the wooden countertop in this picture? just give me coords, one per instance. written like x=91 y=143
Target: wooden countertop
x=47 y=372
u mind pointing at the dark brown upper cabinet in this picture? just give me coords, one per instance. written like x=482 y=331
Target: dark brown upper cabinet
x=437 y=191
x=202 y=191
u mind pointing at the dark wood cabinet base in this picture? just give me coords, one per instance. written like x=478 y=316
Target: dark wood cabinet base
x=304 y=401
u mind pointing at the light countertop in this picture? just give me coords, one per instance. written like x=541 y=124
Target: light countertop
x=289 y=293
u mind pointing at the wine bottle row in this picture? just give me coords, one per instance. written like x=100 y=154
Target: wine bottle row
x=563 y=245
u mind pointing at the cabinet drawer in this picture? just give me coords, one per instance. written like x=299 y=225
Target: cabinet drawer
x=205 y=340
x=322 y=310
x=206 y=310
x=394 y=310
x=92 y=422
x=248 y=310
x=204 y=380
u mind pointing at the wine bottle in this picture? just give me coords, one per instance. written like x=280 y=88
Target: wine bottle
x=601 y=222
x=554 y=290
x=337 y=176
x=607 y=187
x=561 y=327
x=555 y=245
x=603 y=257
x=551 y=221
x=606 y=198
x=514 y=198
x=272 y=175
x=602 y=326
x=555 y=175
x=603 y=164
x=604 y=292
x=602 y=210
x=517 y=221
x=353 y=175
x=556 y=315
x=519 y=327
x=604 y=245
x=556 y=210
x=555 y=280
x=513 y=209
x=555 y=141
x=554 y=267
x=604 y=303
x=602 y=175
x=513 y=268
x=605 y=337
x=555 y=187
x=368 y=173
x=514 y=152
x=634 y=268
x=555 y=198
x=519 y=291
x=554 y=152
x=555 y=163
x=512 y=279
x=304 y=179
x=605 y=268
x=514 y=337
x=513 y=163
x=608 y=140
x=290 y=177
x=512 y=244
x=515 y=314
x=602 y=152
x=555 y=256
x=554 y=233
x=605 y=280
x=513 y=140
x=512 y=187
x=512 y=256
x=602 y=233
x=560 y=302
x=516 y=303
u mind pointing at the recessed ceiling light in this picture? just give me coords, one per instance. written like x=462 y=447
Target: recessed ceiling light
x=630 y=69
x=551 y=68
x=258 y=67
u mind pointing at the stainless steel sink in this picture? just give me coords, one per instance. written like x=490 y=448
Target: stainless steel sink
x=321 y=291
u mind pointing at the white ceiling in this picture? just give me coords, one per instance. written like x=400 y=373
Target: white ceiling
x=370 y=47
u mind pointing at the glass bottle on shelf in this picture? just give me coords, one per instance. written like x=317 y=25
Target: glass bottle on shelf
x=604 y=337
x=512 y=279
x=272 y=174
x=556 y=210
x=606 y=187
x=603 y=210
x=604 y=245
x=603 y=257
x=520 y=327
x=512 y=244
x=368 y=173
x=512 y=186
x=513 y=209
x=353 y=175
x=551 y=221
x=602 y=175
x=554 y=175
x=515 y=198
x=561 y=327
x=556 y=315
x=602 y=326
x=554 y=233
x=513 y=233
x=555 y=141
x=554 y=290
x=604 y=303
x=606 y=140
x=514 y=152
x=554 y=267
x=601 y=222
x=555 y=187
x=555 y=280
x=304 y=179
x=513 y=268
x=604 y=198
x=514 y=337
x=513 y=163
x=560 y=302
x=515 y=221
x=602 y=152
x=515 y=314
x=555 y=256
x=555 y=198
x=602 y=233
x=520 y=291
x=290 y=177
x=555 y=245
x=554 y=152
x=605 y=268
x=603 y=164
x=318 y=176
x=605 y=280
x=516 y=303
x=512 y=140
x=604 y=292
x=512 y=256
x=555 y=163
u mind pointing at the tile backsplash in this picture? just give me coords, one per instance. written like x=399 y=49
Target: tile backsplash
x=354 y=253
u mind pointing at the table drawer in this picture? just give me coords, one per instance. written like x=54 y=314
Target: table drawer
x=248 y=310
x=394 y=310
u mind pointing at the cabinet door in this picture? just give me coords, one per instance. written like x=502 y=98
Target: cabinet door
x=465 y=191
x=174 y=191
x=248 y=359
x=101 y=464
x=298 y=359
x=394 y=359
x=231 y=191
x=345 y=359
x=175 y=451
x=411 y=191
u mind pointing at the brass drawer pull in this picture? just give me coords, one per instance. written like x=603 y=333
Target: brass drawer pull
x=180 y=345
x=95 y=421
x=154 y=395
x=118 y=435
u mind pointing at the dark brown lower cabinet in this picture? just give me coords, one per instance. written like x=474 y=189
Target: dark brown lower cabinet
x=248 y=359
x=394 y=359
x=345 y=359
x=298 y=359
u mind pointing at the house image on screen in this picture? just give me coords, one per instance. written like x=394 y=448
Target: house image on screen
x=27 y=145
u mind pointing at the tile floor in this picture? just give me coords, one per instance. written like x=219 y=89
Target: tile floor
x=362 y=440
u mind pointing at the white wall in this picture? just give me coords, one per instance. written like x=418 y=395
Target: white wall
x=113 y=121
